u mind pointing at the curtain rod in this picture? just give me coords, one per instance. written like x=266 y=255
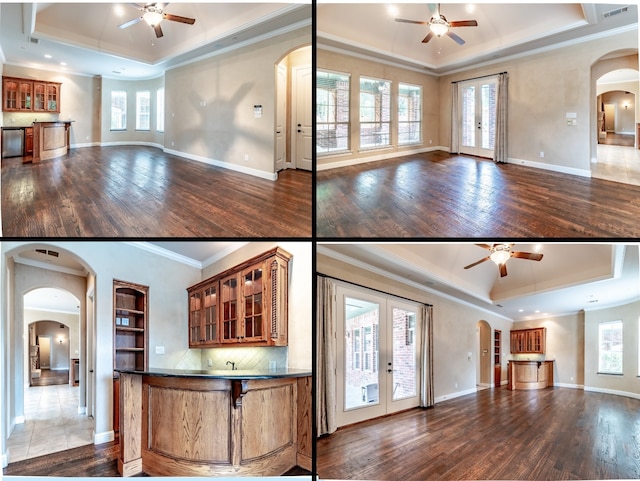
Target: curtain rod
x=373 y=289
x=476 y=78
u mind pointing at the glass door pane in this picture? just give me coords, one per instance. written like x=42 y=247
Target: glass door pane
x=362 y=355
x=404 y=354
x=468 y=105
x=488 y=121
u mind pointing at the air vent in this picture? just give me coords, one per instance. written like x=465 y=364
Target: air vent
x=48 y=252
x=616 y=11
x=34 y=40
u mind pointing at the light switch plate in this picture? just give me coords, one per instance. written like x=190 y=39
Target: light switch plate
x=159 y=349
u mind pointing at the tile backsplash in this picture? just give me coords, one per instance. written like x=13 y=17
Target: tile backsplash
x=244 y=357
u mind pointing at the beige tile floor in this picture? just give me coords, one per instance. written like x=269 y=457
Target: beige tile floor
x=616 y=163
x=52 y=423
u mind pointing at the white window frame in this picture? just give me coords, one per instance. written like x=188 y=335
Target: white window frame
x=413 y=114
x=378 y=117
x=143 y=112
x=604 y=366
x=160 y=110
x=333 y=124
x=118 y=110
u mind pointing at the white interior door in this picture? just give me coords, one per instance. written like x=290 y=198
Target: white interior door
x=302 y=109
x=378 y=353
x=478 y=116
x=281 y=115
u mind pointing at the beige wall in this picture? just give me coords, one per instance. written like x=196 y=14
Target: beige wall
x=210 y=105
x=78 y=102
x=627 y=383
x=298 y=352
x=72 y=321
x=131 y=135
x=455 y=328
x=565 y=345
x=357 y=67
x=542 y=89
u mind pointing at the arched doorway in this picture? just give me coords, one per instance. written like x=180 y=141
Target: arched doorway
x=484 y=355
x=616 y=87
x=293 y=135
x=31 y=270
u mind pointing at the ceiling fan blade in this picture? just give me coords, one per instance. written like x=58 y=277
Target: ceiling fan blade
x=158 y=31
x=455 y=38
x=417 y=22
x=178 y=18
x=485 y=246
x=130 y=22
x=476 y=263
x=527 y=255
x=464 y=23
x=503 y=269
x=428 y=37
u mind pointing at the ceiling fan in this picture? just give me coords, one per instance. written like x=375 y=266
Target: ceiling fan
x=153 y=14
x=439 y=25
x=501 y=253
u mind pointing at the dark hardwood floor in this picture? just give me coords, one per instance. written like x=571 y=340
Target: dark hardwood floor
x=49 y=377
x=555 y=433
x=438 y=195
x=143 y=192
x=83 y=462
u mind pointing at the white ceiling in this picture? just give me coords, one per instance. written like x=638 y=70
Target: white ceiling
x=504 y=30
x=195 y=253
x=569 y=278
x=86 y=38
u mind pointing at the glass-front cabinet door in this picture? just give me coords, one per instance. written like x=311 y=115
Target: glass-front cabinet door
x=253 y=299
x=39 y=95
x=195 y=305
x=211 y=313
x=229 y=293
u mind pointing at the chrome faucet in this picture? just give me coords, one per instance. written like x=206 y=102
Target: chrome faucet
x=233 y=365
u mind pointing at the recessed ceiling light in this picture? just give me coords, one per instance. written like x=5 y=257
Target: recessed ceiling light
x=392 y=10
x=119 y=11
x=520 y=310
x=46 y=55
x=470 y=8
x=537 y=247
x=537 y=311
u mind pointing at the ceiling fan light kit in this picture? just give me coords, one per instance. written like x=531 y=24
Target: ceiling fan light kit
x=153 y=14
x=439 y=25
x=501 y=253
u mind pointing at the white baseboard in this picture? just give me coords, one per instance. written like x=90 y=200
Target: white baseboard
x=454 y=395
x=144 y=144
x=82 y=409
x=19 y=420
x=555 y=168
x=375 y=158
x=86 y=144
x=612 y=391
x=106 y=437
x=571 y=386
x=225 y=165
x=5 y=459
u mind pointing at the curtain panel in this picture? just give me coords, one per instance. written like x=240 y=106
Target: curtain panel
x=326 y=332
x=500 y=153
x=454 y=146
x=426 y=358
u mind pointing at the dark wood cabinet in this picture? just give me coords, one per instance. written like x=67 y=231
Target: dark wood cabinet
x=26 y=95
x=246 y=305
x=130 y=326
x=28 y=141
x=529 y=341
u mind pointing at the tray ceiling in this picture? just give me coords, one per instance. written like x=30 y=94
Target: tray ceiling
x=86 y=38
x=503 y=30
x=569 y=278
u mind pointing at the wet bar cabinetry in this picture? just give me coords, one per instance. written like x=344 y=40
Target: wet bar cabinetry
x=27 y=95
x=246 y=305
x=529 y=341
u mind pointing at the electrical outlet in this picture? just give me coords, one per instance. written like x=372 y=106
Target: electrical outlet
x=246 y=157
x=159 y=349
x=541 y=154
x=209 y=363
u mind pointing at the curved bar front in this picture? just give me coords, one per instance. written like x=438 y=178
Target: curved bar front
x=199 y=423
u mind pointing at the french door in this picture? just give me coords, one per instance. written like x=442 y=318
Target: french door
x=378 y=355
x=477 y=101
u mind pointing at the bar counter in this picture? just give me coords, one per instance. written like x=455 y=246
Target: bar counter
x=50 y=140
x=214 y=423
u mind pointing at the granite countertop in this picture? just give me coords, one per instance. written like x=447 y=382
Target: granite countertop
x=22 y=127
x=222 y=373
